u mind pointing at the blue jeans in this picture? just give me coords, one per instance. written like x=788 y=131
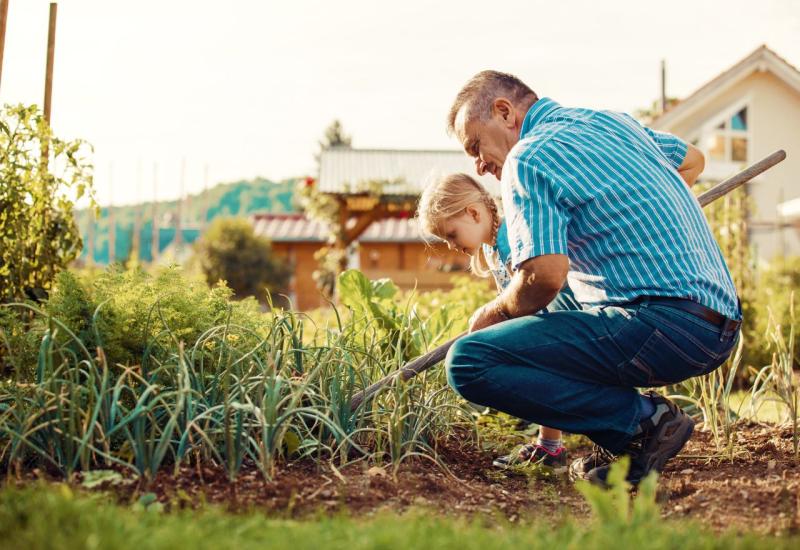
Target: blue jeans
x=577 y=369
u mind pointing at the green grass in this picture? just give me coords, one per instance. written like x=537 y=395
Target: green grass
x=57 y=517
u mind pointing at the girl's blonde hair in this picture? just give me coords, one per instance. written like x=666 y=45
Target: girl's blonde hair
x=449 y=197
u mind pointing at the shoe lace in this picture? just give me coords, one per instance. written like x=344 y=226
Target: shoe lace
x=601 y=455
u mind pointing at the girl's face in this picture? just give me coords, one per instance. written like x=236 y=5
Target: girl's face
x=467 y=231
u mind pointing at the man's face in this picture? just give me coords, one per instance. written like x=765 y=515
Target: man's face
x=487 y=141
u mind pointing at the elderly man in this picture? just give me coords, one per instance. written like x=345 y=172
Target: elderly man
x=597 y=202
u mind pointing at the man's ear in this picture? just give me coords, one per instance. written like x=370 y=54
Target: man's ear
x=504 y=109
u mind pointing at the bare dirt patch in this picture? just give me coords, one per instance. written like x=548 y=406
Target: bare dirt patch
x=758 y=489
x=301 y=488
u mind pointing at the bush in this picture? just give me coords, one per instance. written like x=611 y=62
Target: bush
x=771 y=298
x=230 y=251
x=38 y=233
x=131 y=314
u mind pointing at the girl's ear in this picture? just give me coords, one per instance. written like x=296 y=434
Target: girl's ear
x=474 y=213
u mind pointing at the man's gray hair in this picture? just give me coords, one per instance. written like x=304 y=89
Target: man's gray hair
x=482 y=89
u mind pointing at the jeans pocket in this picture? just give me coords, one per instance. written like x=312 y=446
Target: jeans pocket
x=660 y=362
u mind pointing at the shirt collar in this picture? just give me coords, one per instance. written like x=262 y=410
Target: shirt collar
x=543 y=107
x=501 y=245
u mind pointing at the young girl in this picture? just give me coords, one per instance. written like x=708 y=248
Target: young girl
x=460 y=211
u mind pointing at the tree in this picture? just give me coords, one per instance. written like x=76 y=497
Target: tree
x=231 y=251
x=40 y=177
x=334 y=137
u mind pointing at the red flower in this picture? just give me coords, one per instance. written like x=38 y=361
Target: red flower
x=309 y=182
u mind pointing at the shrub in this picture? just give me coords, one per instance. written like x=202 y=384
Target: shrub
x=38 y=233
x=133 y=315
x=771 y=307
x=230 y=251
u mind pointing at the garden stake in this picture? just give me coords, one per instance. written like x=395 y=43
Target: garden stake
x=424 y=362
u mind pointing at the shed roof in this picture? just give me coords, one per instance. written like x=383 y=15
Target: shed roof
x=298 y=228
x=343 y=169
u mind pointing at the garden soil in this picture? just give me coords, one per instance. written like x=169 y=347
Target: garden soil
x=755 y=489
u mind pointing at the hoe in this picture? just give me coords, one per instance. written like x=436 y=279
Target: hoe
x=431 y=358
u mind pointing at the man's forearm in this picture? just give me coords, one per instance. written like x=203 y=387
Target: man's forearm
x=525 y=296
x=534 y=285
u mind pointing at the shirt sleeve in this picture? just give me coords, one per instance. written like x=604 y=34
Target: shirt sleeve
x=537 y=222
x=672 y=147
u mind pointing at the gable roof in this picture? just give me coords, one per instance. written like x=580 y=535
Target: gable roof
x=762 y=59
x=343 y=169
x=283 y=228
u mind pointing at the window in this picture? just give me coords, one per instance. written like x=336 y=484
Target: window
x=728 y=141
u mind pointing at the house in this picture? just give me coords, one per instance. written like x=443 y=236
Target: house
x=391 y=248
x=738 y=118
x=385 y=240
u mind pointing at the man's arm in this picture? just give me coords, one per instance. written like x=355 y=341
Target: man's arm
x=534 y=285
x=692 y=165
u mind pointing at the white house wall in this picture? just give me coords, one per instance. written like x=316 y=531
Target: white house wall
x=774 y=123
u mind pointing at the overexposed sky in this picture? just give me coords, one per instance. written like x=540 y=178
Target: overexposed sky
x=247 y=87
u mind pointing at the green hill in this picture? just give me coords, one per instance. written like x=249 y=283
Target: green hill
x=241 y=198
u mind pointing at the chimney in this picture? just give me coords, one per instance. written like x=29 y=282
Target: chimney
x=663 y=86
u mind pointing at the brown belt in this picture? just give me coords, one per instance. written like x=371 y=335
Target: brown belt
x=689 y=306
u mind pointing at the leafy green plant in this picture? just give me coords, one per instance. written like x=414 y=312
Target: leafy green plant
x=618 y=513
x=771 y=306
x=150 y=372
x=38 y=233
x=778 y=381
x=711 y=396
x=230 y=251
x=46 y=516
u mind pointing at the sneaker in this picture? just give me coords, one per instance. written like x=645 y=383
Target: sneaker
x=663 y=436
x=580 y=467
x=534 y=454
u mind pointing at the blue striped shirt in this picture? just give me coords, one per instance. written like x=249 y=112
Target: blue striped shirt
x=601 y=189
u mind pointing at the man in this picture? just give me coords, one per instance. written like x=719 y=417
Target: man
x=593 y=200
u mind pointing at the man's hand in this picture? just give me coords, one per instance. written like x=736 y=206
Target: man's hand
x=534 y=285
x=486 y=316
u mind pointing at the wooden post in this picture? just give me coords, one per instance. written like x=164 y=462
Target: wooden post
x=51 y=50
x=112 y=224
x=3 y=19
x=206 y=201
x=136 y=241
x=154 y=238
x=179 y=212
x=663 y=86
x=90 y=238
